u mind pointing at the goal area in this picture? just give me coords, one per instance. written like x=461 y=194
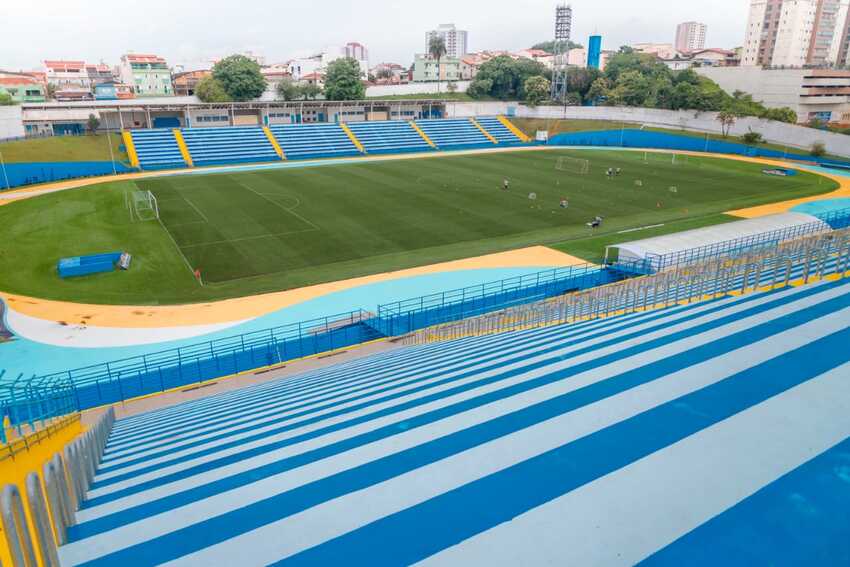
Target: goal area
x=142 y=205
x=573 y=165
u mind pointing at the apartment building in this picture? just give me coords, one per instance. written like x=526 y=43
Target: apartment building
x=147 y=74
x=797 y=33
x=456 y=40
x=690 y=36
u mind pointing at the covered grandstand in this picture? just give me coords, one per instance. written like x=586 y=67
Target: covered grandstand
x=187 y=147
x=661 y=252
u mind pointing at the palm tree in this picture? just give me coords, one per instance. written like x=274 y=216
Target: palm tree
x=437 y=50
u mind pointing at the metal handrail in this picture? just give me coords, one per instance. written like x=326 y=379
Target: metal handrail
x=714 y=278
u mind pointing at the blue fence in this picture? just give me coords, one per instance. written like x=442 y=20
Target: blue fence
x=33 y=401
x=120 y=380
x=632 y=138
x=20 y=174
x=409 y=315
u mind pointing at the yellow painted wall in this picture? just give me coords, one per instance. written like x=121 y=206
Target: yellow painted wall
x=16 y=470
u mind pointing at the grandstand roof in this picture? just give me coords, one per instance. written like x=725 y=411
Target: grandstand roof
x=681 y=242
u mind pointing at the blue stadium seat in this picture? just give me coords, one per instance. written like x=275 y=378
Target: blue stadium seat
x=240 y=144
x=157 y=149
x=499 y=131
x=462 y=451
x=454 y=133
x=301 y=141
x=394 y=136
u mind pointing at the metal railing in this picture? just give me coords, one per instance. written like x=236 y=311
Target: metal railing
x=135 y=376
x=32 y=404
x=812 y=257
x=409 y=315
x=52 y=498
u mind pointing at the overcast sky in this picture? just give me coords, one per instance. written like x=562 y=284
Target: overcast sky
x=189 y=31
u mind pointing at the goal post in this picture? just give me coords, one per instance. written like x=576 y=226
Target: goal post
x=573 y=165
x=143 y=205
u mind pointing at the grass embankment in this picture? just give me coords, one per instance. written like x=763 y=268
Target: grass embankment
x=271 y=230
x=64 y=148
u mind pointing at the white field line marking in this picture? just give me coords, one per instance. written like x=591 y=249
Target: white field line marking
x=278 y=205
x=640 y=228
x=197 y=210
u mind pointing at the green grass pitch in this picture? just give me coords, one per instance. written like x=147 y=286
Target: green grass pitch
x=268 y=230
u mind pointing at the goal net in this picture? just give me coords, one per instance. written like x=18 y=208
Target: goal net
x=142 y=205
x=573 y=165
x=665 y=157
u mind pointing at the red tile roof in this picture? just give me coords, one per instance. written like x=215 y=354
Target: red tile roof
x=144 y=58
x=60 y=65
x=17 y=81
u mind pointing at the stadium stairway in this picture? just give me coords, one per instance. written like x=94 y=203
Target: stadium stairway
x=450 y=134
x=157 y=149
x=499 y=131
x=671 y=436
x=301 y=141
x=389 y=137
x=215 y=146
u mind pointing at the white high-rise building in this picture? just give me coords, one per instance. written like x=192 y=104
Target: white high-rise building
x=456 y=40
x=796 y=33
x=690 y=36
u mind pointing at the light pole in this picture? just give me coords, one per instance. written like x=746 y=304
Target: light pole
x=111 y=154
x=5 y=175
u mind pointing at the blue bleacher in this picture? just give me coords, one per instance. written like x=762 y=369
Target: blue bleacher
x=454 y=133
x=240 y=144
x=394 y=136
x=300 y=141
x=712 y=433
x=499 y=131
x=157 y=149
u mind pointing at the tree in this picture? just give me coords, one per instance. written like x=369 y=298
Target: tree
x=536 y=90
x=504 y=78
x=6 y=99
x=631 y=89
x=727 y=120
x=309 y=91
x=287 y=90
x=437 y=50
x=818 y=149
x=210 y=89
x=598 y=91
x=342 y=80
x=384 y=73
x=92 y=124
x=240 y=77
x=752 y=138
x=783 y=114
x=549 y=46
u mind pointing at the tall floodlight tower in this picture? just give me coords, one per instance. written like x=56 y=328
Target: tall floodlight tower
x=563 y=27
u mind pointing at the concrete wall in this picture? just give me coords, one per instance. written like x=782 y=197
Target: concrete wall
x=414 y=88
x=777 y=132
x=11 y=122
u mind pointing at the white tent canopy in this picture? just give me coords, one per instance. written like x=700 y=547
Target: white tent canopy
x=719 y=236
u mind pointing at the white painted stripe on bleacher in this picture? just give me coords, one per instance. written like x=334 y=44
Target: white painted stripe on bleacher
x=693 y=320
x=513 y=350
x=623 y=517
x=341 y=515
x=711 y=370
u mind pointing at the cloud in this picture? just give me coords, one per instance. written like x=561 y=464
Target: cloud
x=187 y=31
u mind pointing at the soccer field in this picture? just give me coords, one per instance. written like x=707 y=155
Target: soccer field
x=276 y=229
x=249 y=224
